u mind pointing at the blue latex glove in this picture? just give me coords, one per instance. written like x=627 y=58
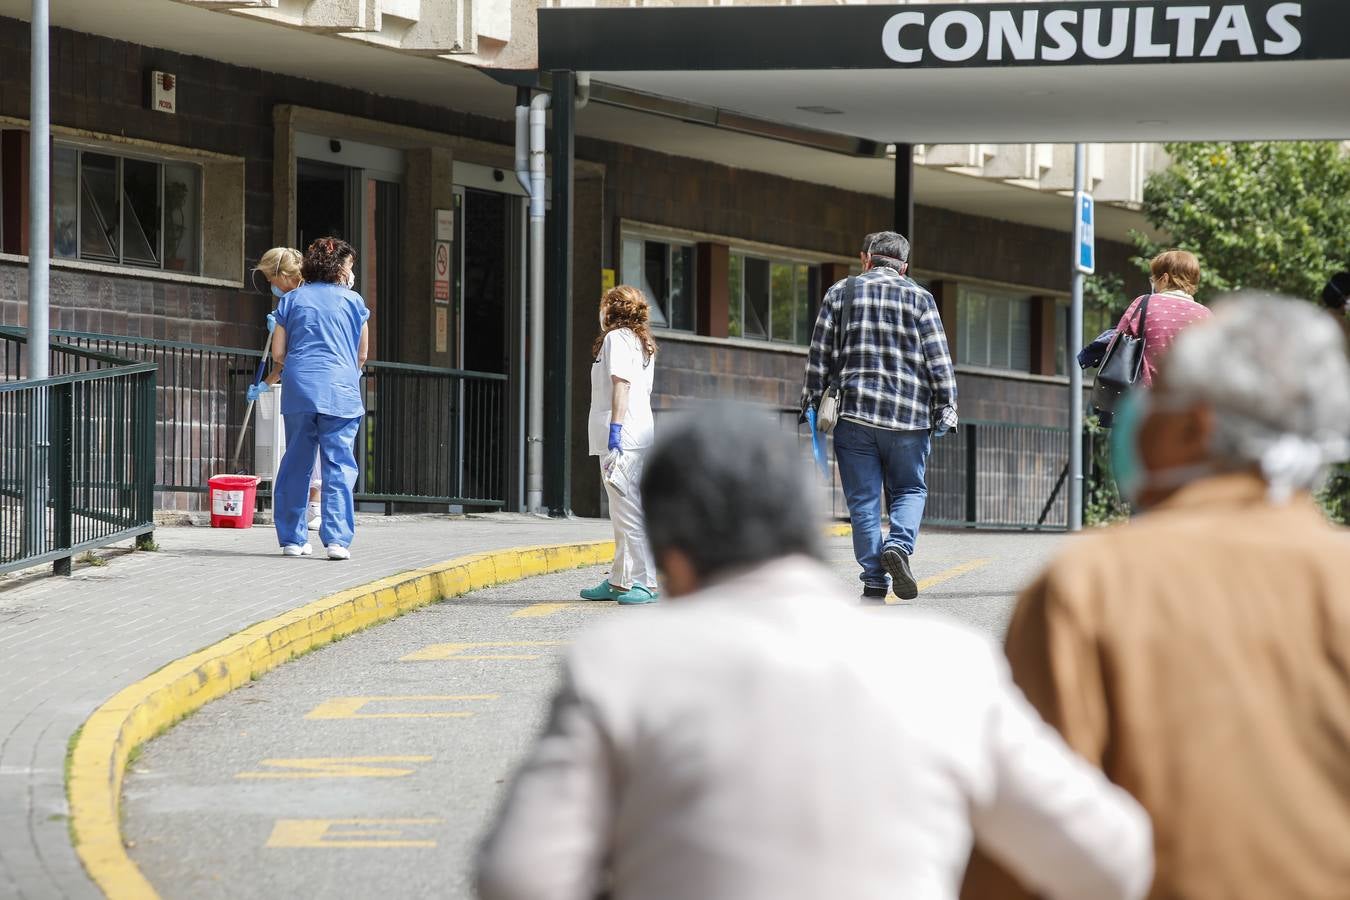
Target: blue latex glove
x=271 y=322
x=257 y=390
x=616 y=436
x=941 y=430
x=817 y=444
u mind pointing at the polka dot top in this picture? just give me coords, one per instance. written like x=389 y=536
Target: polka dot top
x=1168 y=313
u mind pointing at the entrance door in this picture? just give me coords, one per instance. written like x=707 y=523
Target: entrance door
x=488 y=290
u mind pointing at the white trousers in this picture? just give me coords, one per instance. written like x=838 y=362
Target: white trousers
x=633 y=563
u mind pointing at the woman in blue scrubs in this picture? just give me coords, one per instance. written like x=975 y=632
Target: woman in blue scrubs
x=321 y=342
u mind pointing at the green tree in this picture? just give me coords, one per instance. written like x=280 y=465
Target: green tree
x=1264 y=215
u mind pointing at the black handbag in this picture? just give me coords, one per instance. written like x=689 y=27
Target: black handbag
x=1121 y=368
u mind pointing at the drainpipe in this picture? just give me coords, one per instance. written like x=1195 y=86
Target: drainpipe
x=534 y=481
x=523 y=138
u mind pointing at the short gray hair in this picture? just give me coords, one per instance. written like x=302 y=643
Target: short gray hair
x=1274 y=370
x=867 y=241
x=729 y=488
x=889 y=246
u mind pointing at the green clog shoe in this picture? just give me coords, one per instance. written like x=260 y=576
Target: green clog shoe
x=602 y=591
x=639 y=594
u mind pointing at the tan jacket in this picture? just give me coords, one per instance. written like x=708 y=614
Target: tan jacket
x=766 y=740
x=1201 y=656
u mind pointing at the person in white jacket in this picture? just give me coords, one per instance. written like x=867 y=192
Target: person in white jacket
x=760 y=738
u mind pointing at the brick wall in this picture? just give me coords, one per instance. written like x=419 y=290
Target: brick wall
x=100 y=85
x=658 y=189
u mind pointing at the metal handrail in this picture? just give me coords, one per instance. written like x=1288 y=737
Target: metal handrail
x=21 y=334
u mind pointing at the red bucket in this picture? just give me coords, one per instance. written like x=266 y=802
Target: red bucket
x=232 y=500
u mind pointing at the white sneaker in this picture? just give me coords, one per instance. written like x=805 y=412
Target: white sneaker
x=337 y=551
x=314 y=524
x=297 y=549
x=314 y=517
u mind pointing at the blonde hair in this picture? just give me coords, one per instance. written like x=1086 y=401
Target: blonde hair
x=280 y=262
x=1181 y=267
x=626 y=307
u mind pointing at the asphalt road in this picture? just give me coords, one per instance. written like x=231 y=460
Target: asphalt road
x=371 y=767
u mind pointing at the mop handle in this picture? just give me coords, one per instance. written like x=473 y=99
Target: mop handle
x=248 y=412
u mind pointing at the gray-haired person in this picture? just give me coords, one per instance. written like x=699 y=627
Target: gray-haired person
x=898 y=392
x=763 y=738
x=1201 y=654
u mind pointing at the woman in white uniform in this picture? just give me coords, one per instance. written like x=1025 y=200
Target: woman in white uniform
x=620 y=425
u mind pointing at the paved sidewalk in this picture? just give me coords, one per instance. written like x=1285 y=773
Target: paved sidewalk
x=66 y=645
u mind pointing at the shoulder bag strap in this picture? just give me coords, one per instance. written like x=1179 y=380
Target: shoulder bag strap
x=840 y=327
x=1142 y=318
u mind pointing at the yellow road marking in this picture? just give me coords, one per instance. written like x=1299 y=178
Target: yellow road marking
x=933 y=581
x=434 y=652
x=336 y=767
x=152 y=705
x=290 y=834
x=541 y=609
x=350 y=707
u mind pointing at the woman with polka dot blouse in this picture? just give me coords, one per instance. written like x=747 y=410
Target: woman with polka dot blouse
x=1174 y=277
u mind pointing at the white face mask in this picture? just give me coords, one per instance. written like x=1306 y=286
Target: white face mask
x=350 y=281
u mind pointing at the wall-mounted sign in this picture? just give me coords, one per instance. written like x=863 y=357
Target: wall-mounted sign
x=445 y=224
x=164 y=92
x=606 y=279
x=441 y=274
x=442 y=330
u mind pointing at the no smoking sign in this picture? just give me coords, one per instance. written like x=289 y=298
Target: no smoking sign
x=442 y=278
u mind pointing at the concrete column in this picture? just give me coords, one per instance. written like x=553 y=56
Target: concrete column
x=428 y=186
x=713 y=292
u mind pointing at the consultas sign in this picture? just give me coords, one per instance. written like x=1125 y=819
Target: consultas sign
x=1094 y=33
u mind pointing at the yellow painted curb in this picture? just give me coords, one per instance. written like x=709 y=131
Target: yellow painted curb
x=152 y=705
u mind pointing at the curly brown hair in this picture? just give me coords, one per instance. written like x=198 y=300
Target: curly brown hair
x=626 y=307
x=324 y=258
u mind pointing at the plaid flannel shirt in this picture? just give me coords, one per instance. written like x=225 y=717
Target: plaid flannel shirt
x=897 y=371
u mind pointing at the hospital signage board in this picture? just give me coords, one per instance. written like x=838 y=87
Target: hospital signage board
x=943 y=35
x=1085 y=234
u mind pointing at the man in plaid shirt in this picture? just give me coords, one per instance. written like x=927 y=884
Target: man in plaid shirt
x=899 y=391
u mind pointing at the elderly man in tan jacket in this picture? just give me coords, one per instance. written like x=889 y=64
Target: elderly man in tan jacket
x=761 y=738
x=1201 y=654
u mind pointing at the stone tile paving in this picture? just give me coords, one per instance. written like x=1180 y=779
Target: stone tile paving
x=66 y=645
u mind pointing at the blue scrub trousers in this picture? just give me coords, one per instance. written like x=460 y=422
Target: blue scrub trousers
x=335 y=438
x=868 y=458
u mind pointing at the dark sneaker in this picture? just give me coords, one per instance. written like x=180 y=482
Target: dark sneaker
x=872 y=595
x=896 y=564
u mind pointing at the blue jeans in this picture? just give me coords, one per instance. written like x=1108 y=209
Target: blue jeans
x=334 y=437
x=869 y=458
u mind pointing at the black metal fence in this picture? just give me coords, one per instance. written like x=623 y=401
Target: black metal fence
x=985 y=475
x=431 y=436
x=76 y=454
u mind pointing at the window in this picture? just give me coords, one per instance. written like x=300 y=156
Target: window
x=126 y=210
x=993 y=330
x=772 y=300
x=665 y=272
x=1096 y=319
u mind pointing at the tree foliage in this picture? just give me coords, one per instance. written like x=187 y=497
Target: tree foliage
x=1265 y=215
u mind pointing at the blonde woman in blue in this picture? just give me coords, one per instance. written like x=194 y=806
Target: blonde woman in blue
x=321 y=342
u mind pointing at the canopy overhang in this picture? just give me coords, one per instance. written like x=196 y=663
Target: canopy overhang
x=1010 y=72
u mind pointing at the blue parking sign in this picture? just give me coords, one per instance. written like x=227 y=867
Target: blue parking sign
x=1085 y=234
